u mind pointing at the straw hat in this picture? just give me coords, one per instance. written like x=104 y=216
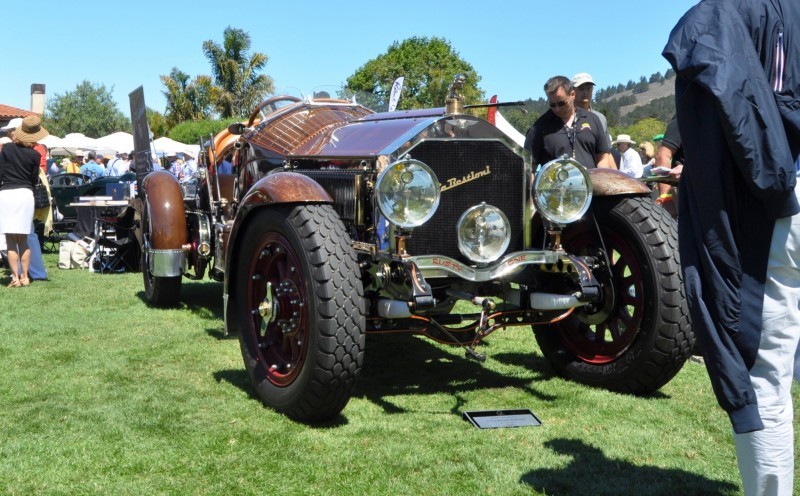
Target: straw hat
x=30 y=131
x=623 y=138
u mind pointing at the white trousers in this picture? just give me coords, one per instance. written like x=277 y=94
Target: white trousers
x=766 y=457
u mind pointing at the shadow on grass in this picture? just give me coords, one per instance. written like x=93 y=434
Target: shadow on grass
x=403 y=364
x=201 y=298
x=537 y=364
x=591 y=472
x=239 y=379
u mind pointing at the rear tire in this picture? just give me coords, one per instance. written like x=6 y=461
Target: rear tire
x=158 y=291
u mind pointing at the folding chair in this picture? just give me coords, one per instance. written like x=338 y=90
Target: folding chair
x=115 y=247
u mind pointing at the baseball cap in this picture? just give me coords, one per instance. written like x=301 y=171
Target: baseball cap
x=12 y=124
x=581 y=78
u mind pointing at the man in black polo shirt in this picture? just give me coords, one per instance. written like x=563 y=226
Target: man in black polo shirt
x=568 y=130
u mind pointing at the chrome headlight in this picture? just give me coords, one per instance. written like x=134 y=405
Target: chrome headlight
x=407 y=193
x=483 y=233
x=562 y=191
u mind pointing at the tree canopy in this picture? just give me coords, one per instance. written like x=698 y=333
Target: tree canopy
x=89 y=109
x=236 y=73
x=428 y=65
x=187 y=100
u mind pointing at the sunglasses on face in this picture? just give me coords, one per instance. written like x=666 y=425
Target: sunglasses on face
x=557 y=104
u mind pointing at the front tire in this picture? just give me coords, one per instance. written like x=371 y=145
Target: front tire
x=638 y=336
x=301 y=310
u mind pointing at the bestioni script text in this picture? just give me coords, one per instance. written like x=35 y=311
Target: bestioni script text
x=454 y=181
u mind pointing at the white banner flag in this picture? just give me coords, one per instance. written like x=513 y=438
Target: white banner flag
x=397 y=88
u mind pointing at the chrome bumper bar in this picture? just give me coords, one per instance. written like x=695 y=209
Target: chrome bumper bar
x=433 y=266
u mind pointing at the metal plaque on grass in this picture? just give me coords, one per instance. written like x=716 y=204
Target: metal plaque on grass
x=493 y=419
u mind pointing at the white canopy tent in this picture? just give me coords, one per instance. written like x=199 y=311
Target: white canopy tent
x=165 y=147
x=120 y=142
x=75 y=144
x=51 y=141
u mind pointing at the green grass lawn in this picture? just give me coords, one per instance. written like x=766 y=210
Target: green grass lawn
x=100 y=394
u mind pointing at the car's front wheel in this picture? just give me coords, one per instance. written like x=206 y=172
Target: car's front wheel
x=300 y=309
x=638 y=336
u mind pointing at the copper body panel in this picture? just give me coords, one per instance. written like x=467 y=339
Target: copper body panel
x=167 y=226
x=286 y=187
x=302 y=127
x=609 y=182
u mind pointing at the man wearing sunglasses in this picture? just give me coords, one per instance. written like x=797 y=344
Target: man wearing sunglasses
x=568 y=130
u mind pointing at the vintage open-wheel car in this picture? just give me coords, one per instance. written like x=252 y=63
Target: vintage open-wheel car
x=338 y=221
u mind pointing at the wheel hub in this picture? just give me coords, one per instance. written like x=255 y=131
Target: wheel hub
x=276 y=286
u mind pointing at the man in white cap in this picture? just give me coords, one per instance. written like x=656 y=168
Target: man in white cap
x=584 y=88
x=12 y=125
x=630 y=161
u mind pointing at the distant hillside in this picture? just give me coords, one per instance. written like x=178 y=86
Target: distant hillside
x=654 y=91
x=623 y=105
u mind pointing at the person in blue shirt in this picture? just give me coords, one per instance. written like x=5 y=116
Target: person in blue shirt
x=225 y=167
x=189 y=167
x=118 y=166
x=91 y=168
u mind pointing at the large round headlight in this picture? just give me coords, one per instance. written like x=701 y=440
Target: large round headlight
x=483 y=233
x=407 y=193
x=562 y=191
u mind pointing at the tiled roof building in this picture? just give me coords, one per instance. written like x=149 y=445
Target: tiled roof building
x=8 y=112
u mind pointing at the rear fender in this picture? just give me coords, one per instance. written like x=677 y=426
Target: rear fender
x=167 y=227
x=274 y=189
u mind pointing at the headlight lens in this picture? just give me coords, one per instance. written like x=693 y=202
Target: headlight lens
x=408 y=193
x=483 y=233
x=562 y=191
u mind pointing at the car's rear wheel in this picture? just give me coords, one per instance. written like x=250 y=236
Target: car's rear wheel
x=638 y=336
x=300 y=309
x=158 y=291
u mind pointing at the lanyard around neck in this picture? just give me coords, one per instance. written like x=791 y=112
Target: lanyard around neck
x=572 y=132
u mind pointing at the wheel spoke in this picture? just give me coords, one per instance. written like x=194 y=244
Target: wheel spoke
x=605 y=334
x=274 y=270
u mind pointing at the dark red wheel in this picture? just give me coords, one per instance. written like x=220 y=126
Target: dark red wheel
x=277 y=289
x=299 y=303
x=600 y=334
x=637 y=336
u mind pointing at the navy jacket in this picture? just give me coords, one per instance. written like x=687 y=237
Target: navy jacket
x=738 y=68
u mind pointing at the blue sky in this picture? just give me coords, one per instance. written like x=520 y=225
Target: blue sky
x=514 y=45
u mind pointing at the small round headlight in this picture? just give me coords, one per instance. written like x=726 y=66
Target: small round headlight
x=562 y=191
x=483 y=233
x=407 y=193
